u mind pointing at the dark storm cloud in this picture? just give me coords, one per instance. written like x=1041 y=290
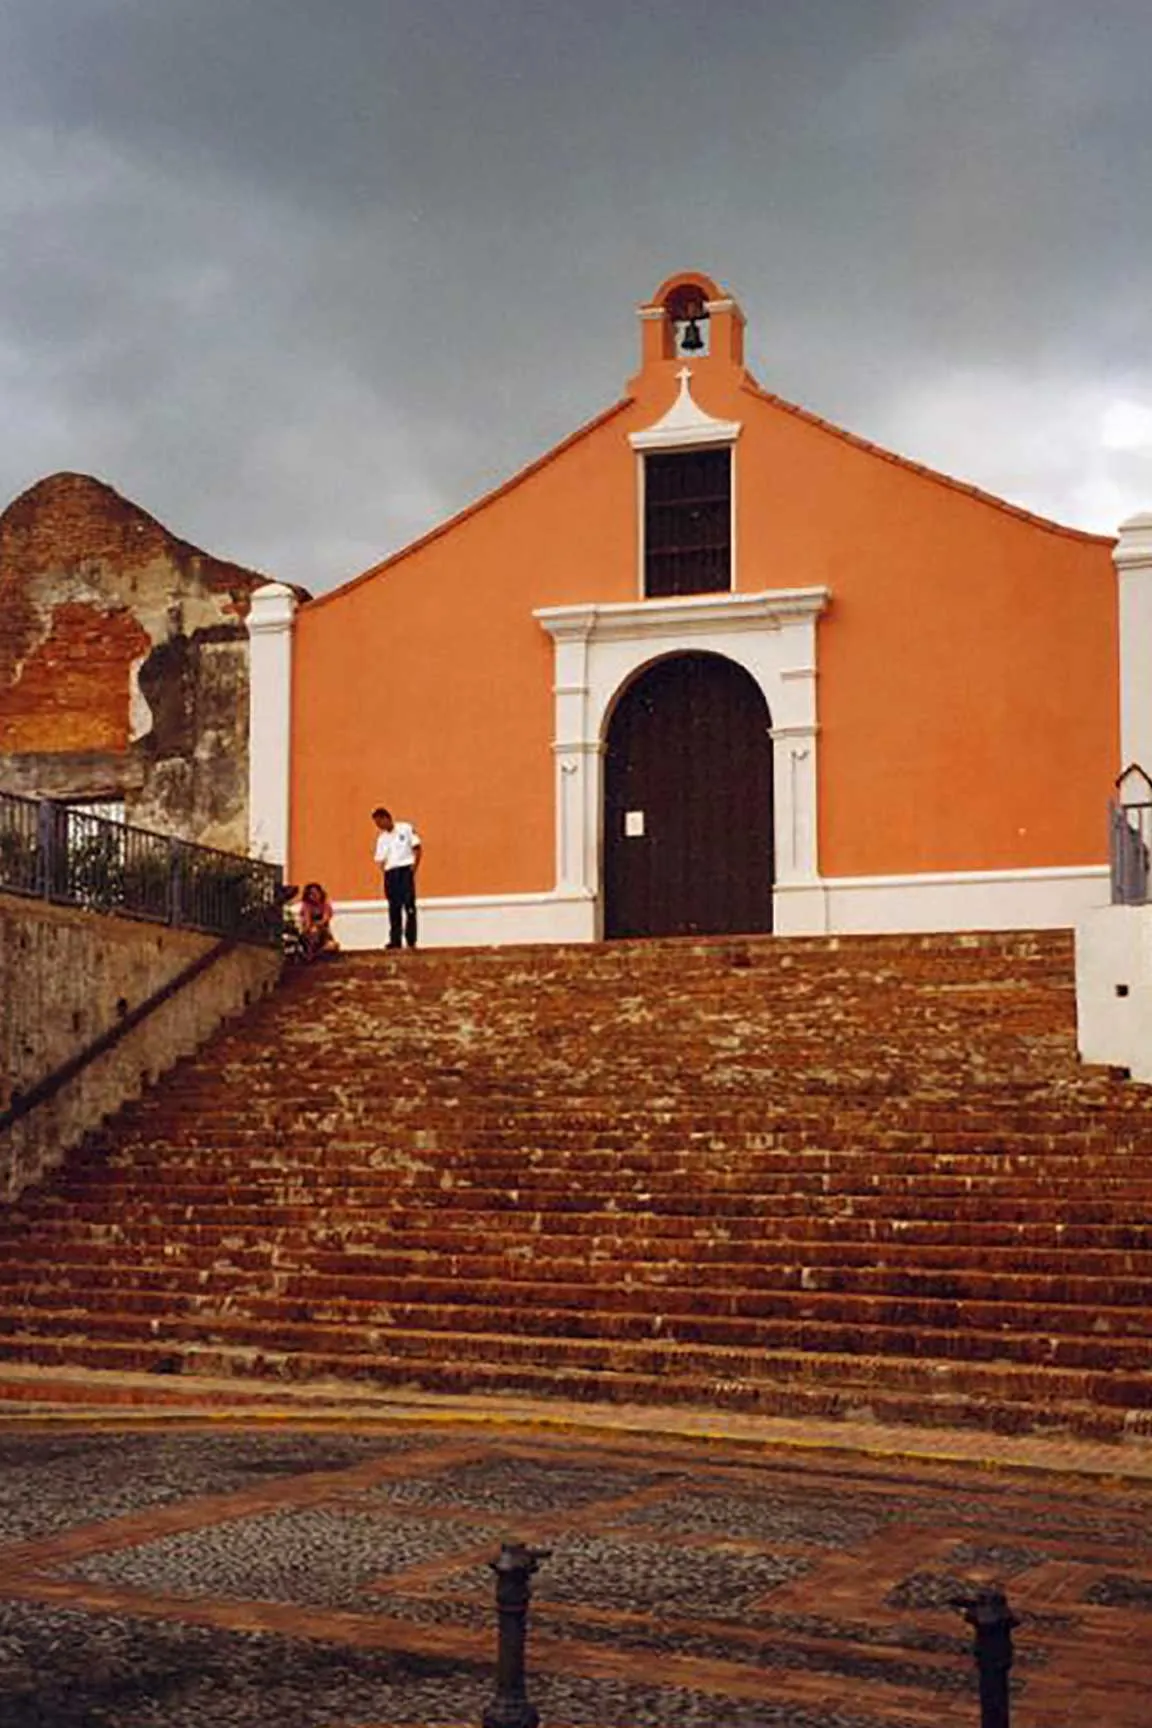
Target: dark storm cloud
x=302 y=277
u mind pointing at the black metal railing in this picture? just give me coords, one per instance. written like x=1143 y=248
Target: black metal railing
x=59 y=853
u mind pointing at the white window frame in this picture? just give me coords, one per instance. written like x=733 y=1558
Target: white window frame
x=684 y=428
x=641 y=493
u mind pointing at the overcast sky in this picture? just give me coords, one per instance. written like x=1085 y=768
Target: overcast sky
x=302 y=277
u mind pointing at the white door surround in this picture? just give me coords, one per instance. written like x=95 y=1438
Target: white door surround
x=599 y=649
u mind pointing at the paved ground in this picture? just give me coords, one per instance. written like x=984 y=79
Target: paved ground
x=183 y=1570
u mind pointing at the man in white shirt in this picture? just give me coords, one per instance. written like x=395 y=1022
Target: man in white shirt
x=398 y=849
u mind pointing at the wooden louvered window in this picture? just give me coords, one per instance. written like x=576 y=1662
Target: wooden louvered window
x=688 y=523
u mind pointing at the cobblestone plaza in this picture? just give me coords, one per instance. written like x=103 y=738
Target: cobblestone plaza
x=313 y=1576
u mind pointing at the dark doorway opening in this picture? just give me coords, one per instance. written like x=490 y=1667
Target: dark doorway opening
x=688 y=843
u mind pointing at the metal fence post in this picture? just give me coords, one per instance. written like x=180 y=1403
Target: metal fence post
x=175 y=884
x=992 y=1621
x=52 y=847
x=514 y=1568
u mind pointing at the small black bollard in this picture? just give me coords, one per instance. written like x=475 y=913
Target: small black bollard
x=514 y=1568
x=992 y=1620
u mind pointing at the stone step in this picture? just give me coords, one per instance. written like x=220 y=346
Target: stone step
x=768 y=1149
x=772 y=1148
x=586 y=1214
x=816 y=1177
x=1014 y=1326
x=931 y=1099
x=854 y=1375
x=1070 y=1303
x=800 y=1398
x=766 y=1124
x=757 y=1175
x=849 y=1240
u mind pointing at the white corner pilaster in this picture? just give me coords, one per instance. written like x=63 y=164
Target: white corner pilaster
x=270 y=622
x=1133 y=559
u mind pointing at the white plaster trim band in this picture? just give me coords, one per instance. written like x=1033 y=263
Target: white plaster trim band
x=473 y=920
x=1044 y=898
x=936 y=878
x=1038 y=899
x=642 y=619
x=689 y=437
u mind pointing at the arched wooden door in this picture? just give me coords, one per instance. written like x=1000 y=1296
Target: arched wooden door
x=688 y=803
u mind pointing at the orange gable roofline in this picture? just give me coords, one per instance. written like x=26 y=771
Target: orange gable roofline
x=754 y=388
x=477 y=504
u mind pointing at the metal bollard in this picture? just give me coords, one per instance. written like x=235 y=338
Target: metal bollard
x=992 y=1620
x=514 y=1568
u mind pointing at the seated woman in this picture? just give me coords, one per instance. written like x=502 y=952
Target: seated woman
x=314 y=916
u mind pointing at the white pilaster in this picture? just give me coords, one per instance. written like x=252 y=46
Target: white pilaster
x=794 y=795
x=1133 y=559
x=269 y=719
x=576 y=829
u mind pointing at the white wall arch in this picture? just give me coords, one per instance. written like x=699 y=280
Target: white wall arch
x=599 y=650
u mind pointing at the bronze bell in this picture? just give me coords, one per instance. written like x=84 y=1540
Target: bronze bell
x=691 y=341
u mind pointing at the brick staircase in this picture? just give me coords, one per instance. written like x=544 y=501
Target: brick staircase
x=812 y=1177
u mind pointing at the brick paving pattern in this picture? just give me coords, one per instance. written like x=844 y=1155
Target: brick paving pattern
x=338 y=1578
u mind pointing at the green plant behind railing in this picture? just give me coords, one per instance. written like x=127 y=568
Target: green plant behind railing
x=95 y=870
x=19 y=854
x=146 y=880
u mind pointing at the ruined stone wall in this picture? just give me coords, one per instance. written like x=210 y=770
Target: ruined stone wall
x=123 y=663
x=66 y=976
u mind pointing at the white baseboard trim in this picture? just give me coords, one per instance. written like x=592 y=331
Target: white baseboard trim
x=1041 y=899
x=473 y=920
x=842 y=905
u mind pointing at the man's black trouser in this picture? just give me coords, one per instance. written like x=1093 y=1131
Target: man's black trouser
x=400 y=888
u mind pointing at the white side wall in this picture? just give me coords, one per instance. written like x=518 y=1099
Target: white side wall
x=1114 y=988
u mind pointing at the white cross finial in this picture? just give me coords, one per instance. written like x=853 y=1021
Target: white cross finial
x=685 y=397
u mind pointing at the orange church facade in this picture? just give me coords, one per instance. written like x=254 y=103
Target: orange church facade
x=711 y=663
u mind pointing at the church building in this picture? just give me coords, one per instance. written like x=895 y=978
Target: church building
x=710 y=665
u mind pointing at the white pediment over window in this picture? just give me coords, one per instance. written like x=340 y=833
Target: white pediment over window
x=685 y=426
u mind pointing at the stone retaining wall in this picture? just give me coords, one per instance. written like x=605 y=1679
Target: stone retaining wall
x=66 y=977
